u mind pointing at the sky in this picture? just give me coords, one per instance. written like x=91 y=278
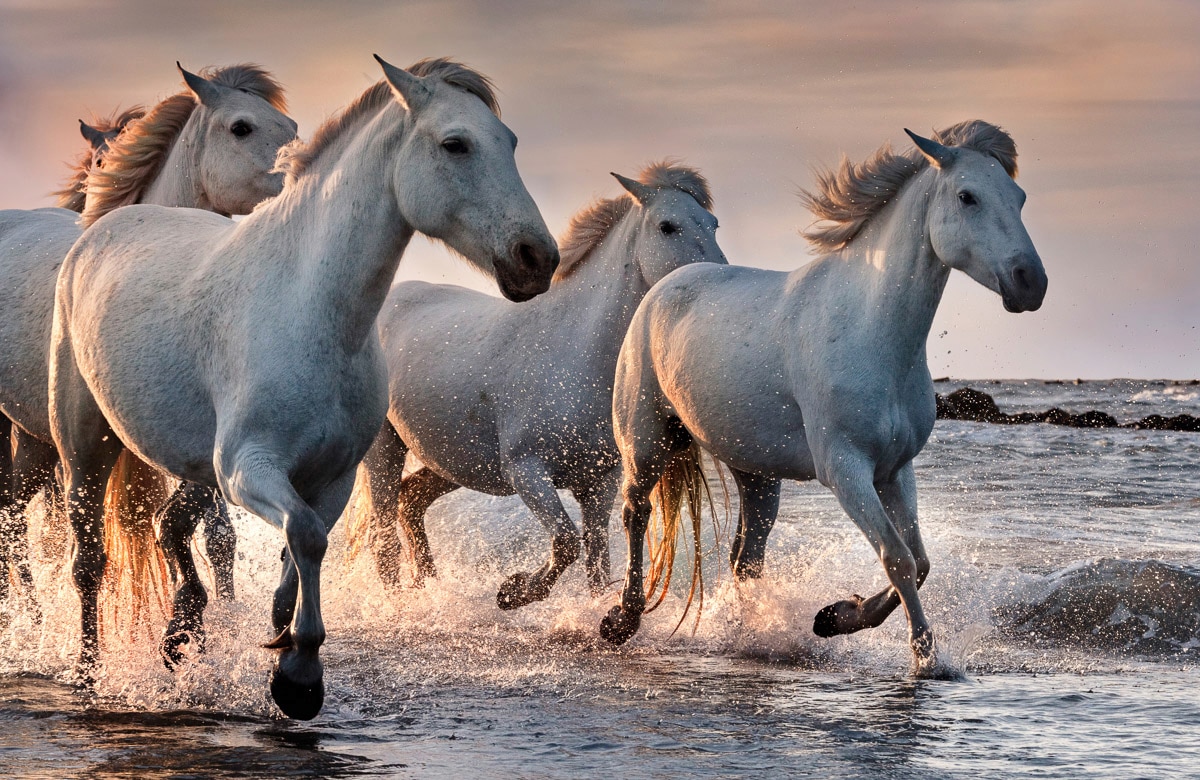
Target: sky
x=1102 y=99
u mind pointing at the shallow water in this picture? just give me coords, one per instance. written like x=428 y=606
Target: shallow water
x=438 y=682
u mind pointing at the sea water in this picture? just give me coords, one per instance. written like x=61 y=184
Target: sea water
x=1065 y=589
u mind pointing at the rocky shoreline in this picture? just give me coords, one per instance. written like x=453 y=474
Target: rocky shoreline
x=967 y=403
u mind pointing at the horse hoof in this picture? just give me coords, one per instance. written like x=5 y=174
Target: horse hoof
x=837 y=618
x=298 y=701
x=825 y=623
x=516 y=592
x=618 y=626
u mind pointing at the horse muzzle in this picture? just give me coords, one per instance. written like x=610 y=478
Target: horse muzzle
x=1025 y=287
x=527 y=270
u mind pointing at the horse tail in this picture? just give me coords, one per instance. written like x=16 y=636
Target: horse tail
x=136 y=579
x=360 y=513
x=683 y=481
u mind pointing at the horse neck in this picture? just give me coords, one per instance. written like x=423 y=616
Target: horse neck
x=338 y=235
x=904 y=278
x=177 y=182
x=600 y=296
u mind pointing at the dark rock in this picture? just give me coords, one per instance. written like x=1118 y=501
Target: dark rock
x=967 y=403
x=1093 y=419
x=1135 y=606
x=1056 y=416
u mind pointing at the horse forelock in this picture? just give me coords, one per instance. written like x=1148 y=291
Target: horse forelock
x=846 y=198
x=295 y=158
x=135 y=158
x=73 y=195
x=593 y=222
x=250 y=78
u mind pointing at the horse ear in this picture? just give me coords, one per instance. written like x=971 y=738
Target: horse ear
x=640 y=192
x=204 y=90
x=410 y=90
x=95 y=138
x=939 y=156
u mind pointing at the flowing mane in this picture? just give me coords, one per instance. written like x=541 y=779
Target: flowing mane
x=136 y=157
x=73 y=195
x=295 y=158
x=847 y=198
x=589 y=227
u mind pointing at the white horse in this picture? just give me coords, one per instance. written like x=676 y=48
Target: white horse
x=822 y=373
x=245 y=355
x=212 y=147
x=14 y=550
x=518 y=399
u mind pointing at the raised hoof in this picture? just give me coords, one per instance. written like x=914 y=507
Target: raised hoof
x=171 y=649
x=618 y=626
x=831 y=621
x=517 y=592
x=301 y=702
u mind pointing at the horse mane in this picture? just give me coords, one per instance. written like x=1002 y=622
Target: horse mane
x=847 y=198
x=73 y=195
x=593 y=222
x=296 y=158
x=135 y=158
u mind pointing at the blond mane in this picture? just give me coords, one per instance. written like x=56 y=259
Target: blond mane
x=135 y=158
x=847 y=198
x=295 y=158
x=73 y=195
x=592 y=223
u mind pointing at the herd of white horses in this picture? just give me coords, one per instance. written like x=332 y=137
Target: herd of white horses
x=283 y=356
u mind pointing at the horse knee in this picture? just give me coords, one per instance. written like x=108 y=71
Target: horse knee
x=902 y=568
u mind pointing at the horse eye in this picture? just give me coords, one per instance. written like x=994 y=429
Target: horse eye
x=241 y=129
x=966 y=198
x=455 y=146
x=667 y=228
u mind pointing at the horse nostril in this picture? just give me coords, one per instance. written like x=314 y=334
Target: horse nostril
x=531 y=258
x=1020 y=276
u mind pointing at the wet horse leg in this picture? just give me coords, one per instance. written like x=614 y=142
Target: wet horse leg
x=757 y=510
x=8 y=523
x=383 y=466
x=656 y=443
x=177 y=520
x=220 y=542
x=253 y=480
x=418 y=491
x=33 y=471
x=530 y=479
x=887 y=517
x=596 y=505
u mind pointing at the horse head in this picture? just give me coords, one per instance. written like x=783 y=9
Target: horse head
x=676 y=226
x=975 y=223
x=456 y=180
x=236 y=132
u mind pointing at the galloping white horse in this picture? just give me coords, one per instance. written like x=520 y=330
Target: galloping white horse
x=822 y=373
x=518 y=399
x=213 y=147
x=245 y=355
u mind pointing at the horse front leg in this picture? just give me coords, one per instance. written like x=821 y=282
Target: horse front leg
x=872 y=509
x=257 y=483
x=758 y=506
x=596 y=505
x=530 y=479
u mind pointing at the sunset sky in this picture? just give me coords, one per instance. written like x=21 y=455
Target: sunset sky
x=1103 y=101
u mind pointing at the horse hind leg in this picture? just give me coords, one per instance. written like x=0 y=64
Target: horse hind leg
x=33 y=471
x=418 y=491
x=220 y=543
x=758 y=508
x=177 y=520
x=532 y=483
x=653 y=443
x=596 y=505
